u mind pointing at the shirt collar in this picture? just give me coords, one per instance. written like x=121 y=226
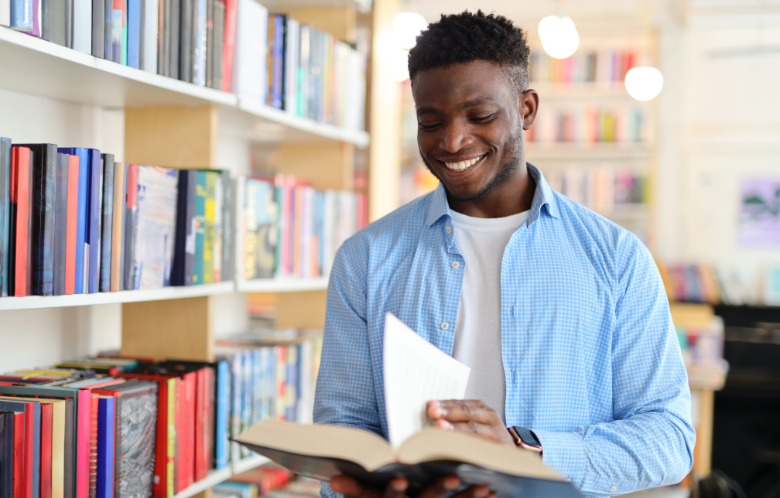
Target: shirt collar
x=542 y=197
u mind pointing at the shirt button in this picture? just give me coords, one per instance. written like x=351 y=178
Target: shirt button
x=449 y=229
x=613 y=489
x=445 y=325
x=455 y=264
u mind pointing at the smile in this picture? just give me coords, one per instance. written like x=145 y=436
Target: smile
x=463 y=165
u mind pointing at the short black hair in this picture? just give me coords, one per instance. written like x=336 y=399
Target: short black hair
x=467 y=37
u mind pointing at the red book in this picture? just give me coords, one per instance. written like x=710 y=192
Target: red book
x=229 y=45
x=187 y=457
x=46 y=438
x=18 y=455
x=72 y=221
x=93 y=444
x=84 y=400
x=200 y=429
x=20 y=195
x=29 y=449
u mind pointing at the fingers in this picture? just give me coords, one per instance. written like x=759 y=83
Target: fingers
x=441 y=487
x=350 y=488
x=469 y=410
x=478 y=491
x=396 y=488
x=346 y=486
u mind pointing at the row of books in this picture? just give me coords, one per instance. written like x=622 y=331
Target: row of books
x=291 y=230
x=298 y=68
x=603 y=189
x=74 y=221
x=116 y=427
x=271 y=482
x=273 y=59
x=693 y=283
x=589 y=125
x=597 y=66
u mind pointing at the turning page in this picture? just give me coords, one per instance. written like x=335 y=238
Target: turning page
x=415 y=372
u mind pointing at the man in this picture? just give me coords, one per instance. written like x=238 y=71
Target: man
x=561 y=314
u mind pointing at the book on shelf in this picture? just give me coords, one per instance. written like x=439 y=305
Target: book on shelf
x=586 y=66
x=605 y=189
x=291 y=230
x=589 y=124
x=75 y=221
x=124 y=427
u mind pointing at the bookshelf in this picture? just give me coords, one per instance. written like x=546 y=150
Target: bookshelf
x=217 y=476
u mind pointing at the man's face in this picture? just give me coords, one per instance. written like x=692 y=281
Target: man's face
x=470 y=126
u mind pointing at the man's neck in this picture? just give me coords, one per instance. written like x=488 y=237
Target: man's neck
x=514 y=195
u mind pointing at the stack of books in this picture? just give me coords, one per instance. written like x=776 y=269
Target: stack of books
x=603 y=189
x=74 y=221
x=589 y=125
x=603 y=66
x=291 y=230
x=122 y=427
x=229 y=45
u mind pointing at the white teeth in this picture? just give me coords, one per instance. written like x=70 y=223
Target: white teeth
x=463 y=165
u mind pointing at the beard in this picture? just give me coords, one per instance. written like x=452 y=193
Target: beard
x=515 y=154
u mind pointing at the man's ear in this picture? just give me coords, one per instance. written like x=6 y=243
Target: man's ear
x=529 y=105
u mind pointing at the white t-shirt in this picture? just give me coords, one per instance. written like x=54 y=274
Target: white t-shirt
x=478 y=328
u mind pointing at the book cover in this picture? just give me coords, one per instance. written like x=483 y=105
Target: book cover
x=117 y=222
x=106 y=224
x=72 y=217
x=219 y=44
x=46 y=450
x=218 y=227
x=18 y=454
x=156 y=224
x=61 y=224
x=185 y=40
x=229 y=45
x=31 y=470
x=82 y=26
x=98 y=27
x=201 y=194
x=105 y=455
x=270 y=40
x=123 y=228
x=57 y=22
x=278 y=61
x=200 y=20
x=291 y=54
x=164 y=32
x=130 y=228
x=209 y=43
x=20 y=217
x=184 y=250
x=260 y=214
x=228 y=230
x=175 y=30
x=251 y=44
x=94 y=201
x=93 y=444
x=304 y=61
x=5 y=213
x=209 y=229
x=7 y=454
x=82 y=252
x=22 y=15
x=42 y=193
x=133 y=33
x=149 y=36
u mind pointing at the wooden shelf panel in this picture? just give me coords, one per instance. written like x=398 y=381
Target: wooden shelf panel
x=282 y=285
x=49 y=70
x=218 y=476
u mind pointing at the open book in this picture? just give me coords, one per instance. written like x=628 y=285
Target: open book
x=414 y=371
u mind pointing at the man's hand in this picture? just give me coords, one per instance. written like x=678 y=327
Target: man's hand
x=396 y=488
x=471 y=416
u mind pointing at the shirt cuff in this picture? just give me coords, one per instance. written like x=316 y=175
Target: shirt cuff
x=564 y=452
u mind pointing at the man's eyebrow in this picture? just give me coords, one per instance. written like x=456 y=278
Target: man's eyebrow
x=427 y=110
x=475 y=102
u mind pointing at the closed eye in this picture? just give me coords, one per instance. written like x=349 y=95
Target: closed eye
x=485 y=119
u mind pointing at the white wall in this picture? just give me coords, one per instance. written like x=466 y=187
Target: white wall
x=41 y=337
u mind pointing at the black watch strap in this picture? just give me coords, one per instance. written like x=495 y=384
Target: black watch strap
x=526 y=436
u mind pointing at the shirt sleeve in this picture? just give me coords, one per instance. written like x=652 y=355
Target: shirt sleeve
x=650 y=442
x=345 y=393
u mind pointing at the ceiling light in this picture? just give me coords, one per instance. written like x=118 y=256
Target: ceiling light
x=644 y=83
x=559 y=36
x=406 y=27
x=400 y=64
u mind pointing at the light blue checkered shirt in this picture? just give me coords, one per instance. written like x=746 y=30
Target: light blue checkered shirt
x=592 y=361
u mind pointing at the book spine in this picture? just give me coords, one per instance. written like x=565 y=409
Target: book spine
x=200 y=228
x=149 y=36
x=106 y=228
x=185 y=41
x=173 y=53
x=209 y=58
x=5 y=212
x=117 y=26
x=200 y=44
x=105 y=469
x=209 y=229
x=45 y=451
x=22 y=15
x=116 y=226
x=72 y=221
x=93 y=444
x=20 y=196
x=61 y=225
x=278 y=59
x=98 y=27
x=131 y=222
x=163 y=56
x=190 y=246
x=133 y=33
x=94 y=227
x=108 y=15
x=219 y=44
x=222 y=415
x=229 y=45
x=82 y=26
x=84 y=415
x=218 y=236
x=228 y=231
x=177 y=272
x=5 y=12
x=161 y=446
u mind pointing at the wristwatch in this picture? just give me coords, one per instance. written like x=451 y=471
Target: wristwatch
x=525 y=439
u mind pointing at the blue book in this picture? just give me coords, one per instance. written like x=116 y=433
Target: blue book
x=124 y=232
x=222 y=422
x=107 y=222
x=257 y=386
x=95 y=196
x=291 y=383
x=61 y=225
x=22 y=15
x=5 y=213
x=277 y=60
x=105 y=450
x=134 y=33
x=83 y=207
x=246 y=395
x=18 y=406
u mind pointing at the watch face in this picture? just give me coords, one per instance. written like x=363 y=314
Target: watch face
x=527 y=437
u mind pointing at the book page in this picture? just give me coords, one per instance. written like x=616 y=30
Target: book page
x=415 y=372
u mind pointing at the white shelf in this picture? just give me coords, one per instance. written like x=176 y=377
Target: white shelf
x=282 y=285
x=49 y=70
x=217 y=476
x=598 y=150
x=274 y=5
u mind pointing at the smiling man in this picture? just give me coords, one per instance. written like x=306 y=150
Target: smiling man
x=560 y=313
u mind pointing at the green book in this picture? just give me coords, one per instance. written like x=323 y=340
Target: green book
x=201 y=194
